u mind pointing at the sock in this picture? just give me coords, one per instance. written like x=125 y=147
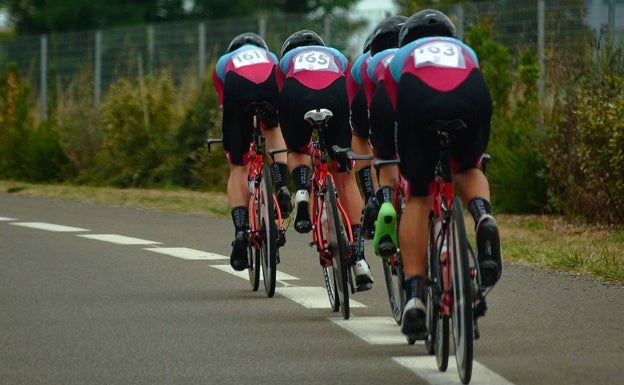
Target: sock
x=479 y=207
x=412 y=286
x=366 y=181
x=301 y=177
x=384 y=194
x=279 y=173
x=358 y=242
x=240 y=217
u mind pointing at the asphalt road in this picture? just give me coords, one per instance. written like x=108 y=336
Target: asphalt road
x=93 y=294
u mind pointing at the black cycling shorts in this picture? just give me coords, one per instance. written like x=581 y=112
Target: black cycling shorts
x=359 y=115
x=418 y=105
x=297 y=99
x=382 y=124
x=237 y=124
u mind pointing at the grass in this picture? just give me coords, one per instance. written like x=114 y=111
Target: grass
x=548 y=242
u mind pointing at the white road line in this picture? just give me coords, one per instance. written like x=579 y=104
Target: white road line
x=118 y=239
x=186 y=253
x=7 y=219
x=49 y=227
x=374 y=330
x=279 y=276
x=311 y=297
x=426 y=368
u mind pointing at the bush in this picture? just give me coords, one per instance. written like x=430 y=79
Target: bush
x=515 y=174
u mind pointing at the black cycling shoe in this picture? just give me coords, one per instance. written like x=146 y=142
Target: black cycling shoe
x=489 y=251
x=238 y=258
x=370 y=212
x=283 y=200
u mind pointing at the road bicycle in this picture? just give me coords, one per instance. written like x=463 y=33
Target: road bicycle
x=331 y=230
x=266 y=231
x=454 y=296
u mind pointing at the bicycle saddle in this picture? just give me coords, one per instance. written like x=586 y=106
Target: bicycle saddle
x=320 y=115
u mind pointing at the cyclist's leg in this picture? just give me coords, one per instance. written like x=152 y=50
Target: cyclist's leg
x=237 y=126
x=474 y=106
x=382 y=124
x=360 y=128
x=413 y=238
x=472 y=187
x=275 y=140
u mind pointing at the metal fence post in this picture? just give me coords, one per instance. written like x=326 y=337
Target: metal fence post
x=202 y=50
x=97 y=72
x=541 y=17
x=262 y=26
x=44 y=76
x=459 y=12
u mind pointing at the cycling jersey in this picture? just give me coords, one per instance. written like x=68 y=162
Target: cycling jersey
x=312 y=77
x=316 y=67
x=241 y=77
x=437 y=78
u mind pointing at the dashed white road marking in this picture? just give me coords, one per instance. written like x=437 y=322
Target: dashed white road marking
x=426 y=368
x=119 y=239
x=186 y=253
x=311 y=297
x=279 y=276
x=374 y=330
x=49 y=227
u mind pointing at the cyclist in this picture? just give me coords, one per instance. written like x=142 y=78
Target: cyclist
x=435 y=76
x=384 y=44
x=245 y=74
x=360 y=131
x=310 y=76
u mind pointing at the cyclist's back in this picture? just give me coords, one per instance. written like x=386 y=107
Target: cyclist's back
x=312 y=76
x=244 y=76
x=435 y=76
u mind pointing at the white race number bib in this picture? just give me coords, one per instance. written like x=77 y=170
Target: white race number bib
x=249 y=57
x=440 y=53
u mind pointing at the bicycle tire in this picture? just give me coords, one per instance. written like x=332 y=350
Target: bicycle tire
x=394 y=277
x=328 y=270
x=432 y=301
x=462 y=294
x=338 y=246
x=440 y=333
x=268 y=230
x=253 y=260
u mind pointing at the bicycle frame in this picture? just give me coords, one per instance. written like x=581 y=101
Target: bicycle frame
x=320 y=173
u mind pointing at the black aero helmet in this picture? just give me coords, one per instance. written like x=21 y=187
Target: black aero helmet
x=247 y=38
x=428 y=22
x=367 y=43
x=386 y=34
x=301 y=39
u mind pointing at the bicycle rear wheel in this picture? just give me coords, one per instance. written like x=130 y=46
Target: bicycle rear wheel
x=462 y=295
x=393 y=275
x=268 y=227
x=253 y=260
x=338 y=246
x=438 y=340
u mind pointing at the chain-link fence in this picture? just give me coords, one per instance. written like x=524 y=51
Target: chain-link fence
x=52 y=61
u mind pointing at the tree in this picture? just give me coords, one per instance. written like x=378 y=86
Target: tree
x=44 y=16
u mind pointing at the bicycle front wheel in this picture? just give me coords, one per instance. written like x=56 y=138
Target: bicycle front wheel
x=462 y=295
x=268 y=227
x=338 y=246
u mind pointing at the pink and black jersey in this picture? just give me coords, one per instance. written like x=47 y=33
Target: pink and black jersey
x=315 y=67
x=443 y=63
x=250 y=62
x=376 y=71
